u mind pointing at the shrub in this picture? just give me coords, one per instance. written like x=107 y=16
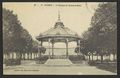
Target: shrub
x=12 y=62
x=92 y=63
x=41 y=60
x=76 y=58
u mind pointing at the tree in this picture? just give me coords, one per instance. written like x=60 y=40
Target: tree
x=15 y=37
x=105 y=19
x=102 y=35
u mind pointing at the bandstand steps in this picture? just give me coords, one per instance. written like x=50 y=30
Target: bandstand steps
x=54 y=62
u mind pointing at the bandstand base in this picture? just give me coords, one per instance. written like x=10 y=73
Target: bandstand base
x=58 y=62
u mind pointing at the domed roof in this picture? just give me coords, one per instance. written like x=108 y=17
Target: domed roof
x=59 y=30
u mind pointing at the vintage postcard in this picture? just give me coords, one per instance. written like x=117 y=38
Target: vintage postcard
x=66 y=38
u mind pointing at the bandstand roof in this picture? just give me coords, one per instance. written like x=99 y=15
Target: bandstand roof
x=58 y=33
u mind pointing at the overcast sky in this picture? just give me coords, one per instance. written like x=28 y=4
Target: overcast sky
x=37 y=18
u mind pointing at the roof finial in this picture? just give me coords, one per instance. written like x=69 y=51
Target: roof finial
x=58 y=15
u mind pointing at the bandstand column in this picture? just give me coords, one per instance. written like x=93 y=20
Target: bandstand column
x=79 y=46
x=66 y=48
x=52 y=49
x=38 y=49
x=39 y=44
x=49 y=47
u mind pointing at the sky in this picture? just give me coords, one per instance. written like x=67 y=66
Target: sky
x=39 y=17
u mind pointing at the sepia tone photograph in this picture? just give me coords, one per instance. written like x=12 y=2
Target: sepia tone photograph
x=66 y=38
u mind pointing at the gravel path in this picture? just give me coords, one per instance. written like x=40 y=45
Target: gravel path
x=39 y=69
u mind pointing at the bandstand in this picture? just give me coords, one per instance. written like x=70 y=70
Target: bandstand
x=58 y=33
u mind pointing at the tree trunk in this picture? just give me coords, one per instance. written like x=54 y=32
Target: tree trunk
x=39 y=55
x=97 y=56
x=89 y=57
x=8 y=56
x=19 y=55
x=24 y=56
x=113 y=56
x=109 y=57
x=101 y=58
x=29 y=55
x=84 y=57
x=13 y=55
x=92 y=56
x=34 y=56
